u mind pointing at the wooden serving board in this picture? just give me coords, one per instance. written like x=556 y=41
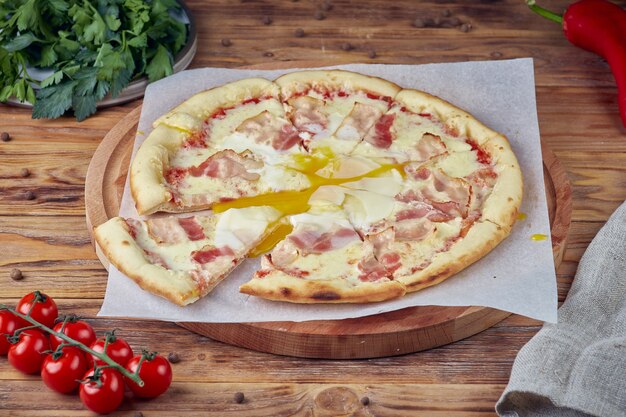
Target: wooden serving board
x=399 y=332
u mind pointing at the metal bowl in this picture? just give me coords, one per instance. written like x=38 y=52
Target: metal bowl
x=136 y=89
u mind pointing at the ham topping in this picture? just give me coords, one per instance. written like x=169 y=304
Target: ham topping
x=307 y=241
x=166 y=230
x=266 y=128
x=358 y=122
x=210 y=253
x=371 y=269
x=313 y=242
x=227 y=164
x=380 y=134
x=307 y=115
x=448 y=195
x=429 y=146
x=381 y=262
x=155 y=259
x=413 y=229
x=192 y=228
x=133 y=226
x=175 y=176
x=419 y=210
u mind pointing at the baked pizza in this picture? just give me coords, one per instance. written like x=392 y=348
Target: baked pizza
x=351 y=189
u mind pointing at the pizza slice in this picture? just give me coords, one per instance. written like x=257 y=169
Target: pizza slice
x=335 y=109
x=225 y=143
x=323 y=260
x=184 y=258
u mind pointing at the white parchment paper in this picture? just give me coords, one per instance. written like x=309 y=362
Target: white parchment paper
x=517 y=276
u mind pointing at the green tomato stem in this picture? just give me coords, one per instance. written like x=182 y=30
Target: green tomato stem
x=102 y=356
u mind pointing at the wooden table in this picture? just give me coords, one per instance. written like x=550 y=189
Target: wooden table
x=47 y=239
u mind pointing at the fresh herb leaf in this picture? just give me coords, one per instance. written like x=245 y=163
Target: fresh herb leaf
x=53 y=79
x=53 y=101
x=84 y=106
x=93 y=47
x=160 y=65
x=20 y=42
x=48 y=56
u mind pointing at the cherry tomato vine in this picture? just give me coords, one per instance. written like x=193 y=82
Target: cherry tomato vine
x=73 y=358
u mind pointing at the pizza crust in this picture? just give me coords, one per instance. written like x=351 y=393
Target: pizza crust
x=334 y=80
x=480 y=240
x=280 y=286
x=457 y=120
x=502 y=205
x=191 y=113
x=147 y=172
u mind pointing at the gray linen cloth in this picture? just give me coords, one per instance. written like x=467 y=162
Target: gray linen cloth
x=578 y=367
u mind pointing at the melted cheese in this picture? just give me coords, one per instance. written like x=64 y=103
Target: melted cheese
x=366 y=208
x=221 y=128
x=176 y=255
x=459 y=164
x=236 y=228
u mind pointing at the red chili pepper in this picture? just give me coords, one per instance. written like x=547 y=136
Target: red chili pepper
x=598 y=26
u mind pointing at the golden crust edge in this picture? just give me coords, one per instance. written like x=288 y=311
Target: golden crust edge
x=298 y=81
x=447 y=264
x=191 y=113
x=279 y=286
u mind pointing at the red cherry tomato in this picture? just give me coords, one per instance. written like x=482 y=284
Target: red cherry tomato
x=9 y=323
x=117 y=349
x=26 y=355
x=155 y=372
x=108 y=396
x=44 y=309
x=78 y=330
x=63 y=373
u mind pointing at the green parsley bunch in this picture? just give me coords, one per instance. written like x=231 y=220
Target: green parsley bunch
x=93 y=47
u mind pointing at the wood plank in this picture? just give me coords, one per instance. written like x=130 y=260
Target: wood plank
x=576 y=100
x=484 y=358
x=280 y=399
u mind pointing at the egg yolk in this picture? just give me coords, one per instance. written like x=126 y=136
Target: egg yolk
x=296 y=202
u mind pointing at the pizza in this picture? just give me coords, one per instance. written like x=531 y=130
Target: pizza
x=351 y=189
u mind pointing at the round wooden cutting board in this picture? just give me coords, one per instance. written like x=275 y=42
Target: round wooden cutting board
x=399 y=332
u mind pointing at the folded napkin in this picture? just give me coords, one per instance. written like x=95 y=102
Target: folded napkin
x=578 y=366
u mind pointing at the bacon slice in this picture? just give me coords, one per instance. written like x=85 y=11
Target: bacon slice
x=448 y=195
x=380 y=134
x=382 y=262
x=175 y=175
x=417 y=171
x=305 y=241
x=371 y=269
x=155 y=259
x=358 y=122
x=266 y=128
x=311 y=241
x=485 y=177
x=166 y=230
x=227 y=164
x=133 y=227
x=192 y=228
x=430 y=146
x=307 y=114
x=413 y=229
x=210 y=253
x=418 y=210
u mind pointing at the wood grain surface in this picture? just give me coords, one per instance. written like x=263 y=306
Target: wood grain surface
x=395 y=333
x=47 y=237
